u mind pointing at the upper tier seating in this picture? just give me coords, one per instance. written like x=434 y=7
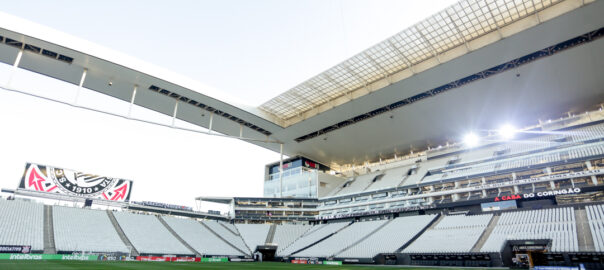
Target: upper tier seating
x=148 y=235
x=391 y=178
x=77 y=229
x=457 y=233
x=286 y=234
x=228 y=232
x=575 y=152
x=595 y=216
x=358 y=184
x=200 y=238
x=342 y=239
x=22 y=223
x=389 y=238
x=557 y=224
x=253 y=234
x=317 y=233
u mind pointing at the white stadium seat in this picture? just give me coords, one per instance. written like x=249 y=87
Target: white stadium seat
x=85 y=230
x=22 y=223
x=148 y=235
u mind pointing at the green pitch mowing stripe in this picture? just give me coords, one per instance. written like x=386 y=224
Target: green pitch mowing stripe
x=98 y=265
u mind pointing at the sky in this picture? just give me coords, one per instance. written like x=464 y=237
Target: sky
x=250 y=50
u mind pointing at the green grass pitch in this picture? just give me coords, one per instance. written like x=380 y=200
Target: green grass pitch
x=102 y=265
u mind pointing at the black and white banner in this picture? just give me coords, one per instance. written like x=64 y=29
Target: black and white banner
x=14 y=249
x=63 y=181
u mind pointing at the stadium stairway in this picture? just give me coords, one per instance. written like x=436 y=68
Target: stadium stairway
x=121 y=233
x=430 y=226
x=222 y=238
x=485 y=234
x=271 y=234
x=182 y=241
x=228 y=229
x=320 y=240
x=241 y=236
x=584 y=237
x=402 y=181
x=49 y=235
x=362 y=238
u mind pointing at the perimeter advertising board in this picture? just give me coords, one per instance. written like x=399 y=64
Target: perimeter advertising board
x=48 y=257
x=50 y=179
x=14 y=249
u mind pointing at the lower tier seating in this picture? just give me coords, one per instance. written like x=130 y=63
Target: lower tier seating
x=389 y=238
x=77 y=229
x=22 y=223
x=200 y=238
x=342 y=239
x=253 y=234
x=452 y=234
x=148 y=235
x=595 y=216
x=557 y=224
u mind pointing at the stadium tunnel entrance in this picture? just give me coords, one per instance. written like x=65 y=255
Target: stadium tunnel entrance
x=267 y=251
x=525 y=253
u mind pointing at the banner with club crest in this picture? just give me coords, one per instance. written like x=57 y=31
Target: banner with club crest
x=64 y=181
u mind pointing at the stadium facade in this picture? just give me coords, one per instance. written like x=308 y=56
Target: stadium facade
x=377 y=172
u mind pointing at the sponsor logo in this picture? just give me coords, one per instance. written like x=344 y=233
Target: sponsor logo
x=25 y=257
x=14 y=249
x=75 y=257
x=184 y=259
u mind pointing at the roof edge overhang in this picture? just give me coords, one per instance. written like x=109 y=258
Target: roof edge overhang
x=71 y=43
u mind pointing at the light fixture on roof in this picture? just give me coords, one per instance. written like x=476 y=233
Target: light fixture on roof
x=507 y=132
x=471 y=139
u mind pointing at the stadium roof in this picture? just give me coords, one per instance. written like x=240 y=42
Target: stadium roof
x=426 y=41
x=471 y=66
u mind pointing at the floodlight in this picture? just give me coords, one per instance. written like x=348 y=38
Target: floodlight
x=471 y=139
x=507 y=132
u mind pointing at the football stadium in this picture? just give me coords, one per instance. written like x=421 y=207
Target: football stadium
x=374 y=168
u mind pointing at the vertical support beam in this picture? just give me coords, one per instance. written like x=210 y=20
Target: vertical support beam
x=174 y=113
x=516 y=190
x=132 y=100
x=281 y=171
x=240 y=131
x=588 y=164
x=75 y=101
x=211 y=120
x=552 y=185
x=15 y=66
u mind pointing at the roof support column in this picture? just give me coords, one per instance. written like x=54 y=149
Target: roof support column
x=281 y=171
x=75 y=101
x=211 y=120
x=132 y=100
x=174 y=113
x=15 y=66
